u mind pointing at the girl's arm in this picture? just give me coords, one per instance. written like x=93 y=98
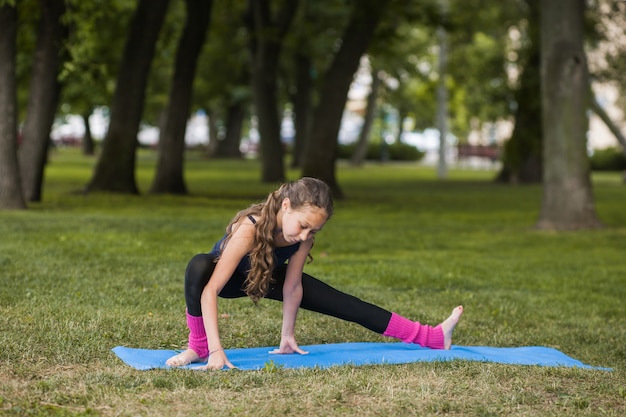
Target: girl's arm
x=292 y=296
x=238 y=246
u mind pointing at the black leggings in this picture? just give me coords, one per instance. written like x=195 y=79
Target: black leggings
x=316 y=296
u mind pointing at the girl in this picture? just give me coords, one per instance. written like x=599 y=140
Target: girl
x=262 y=255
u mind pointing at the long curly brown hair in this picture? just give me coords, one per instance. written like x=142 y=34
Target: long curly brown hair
x=306 y=191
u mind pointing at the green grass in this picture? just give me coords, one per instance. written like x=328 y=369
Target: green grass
x=84 y=273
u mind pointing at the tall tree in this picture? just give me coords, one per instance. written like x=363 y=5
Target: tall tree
x=304 y=49
x=321 y=149
x=312 y=42
x=567 y=192
x=223 y=87
x=115 y=169
x=228 y=147
x=88 y=146
x=371 y=110
x=268 y=32
x=522 y=159
x=97 y=36
x=607 y=61
x=169 y=176
x=602 y=114
x=442 y=100
x=43 y=98
x=302 y=104
x=10 y=187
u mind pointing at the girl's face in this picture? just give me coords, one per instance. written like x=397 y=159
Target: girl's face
x=301 y=224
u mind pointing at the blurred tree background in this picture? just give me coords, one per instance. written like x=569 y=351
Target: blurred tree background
x=472 y=70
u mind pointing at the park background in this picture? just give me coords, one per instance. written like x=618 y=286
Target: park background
x=527 y=231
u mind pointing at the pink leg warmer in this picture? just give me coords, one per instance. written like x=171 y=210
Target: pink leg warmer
x=413 y=332
x=197 y=336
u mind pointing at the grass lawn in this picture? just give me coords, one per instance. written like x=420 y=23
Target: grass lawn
x=82 y=274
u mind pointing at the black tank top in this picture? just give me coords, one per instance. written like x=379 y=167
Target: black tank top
x=281 y=255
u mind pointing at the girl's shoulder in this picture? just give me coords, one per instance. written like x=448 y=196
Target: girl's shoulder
x=244 y=226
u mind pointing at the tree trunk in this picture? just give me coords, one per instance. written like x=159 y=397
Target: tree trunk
x=601 y=113
x=522 y=161
x=229 y=146
x=265 y=48
x=115 y=169
x=11 y=196
x=321 y=149
x=43 y=98
x=169 y=176
x=442 y=103
x=567 y=193
x=302 y=105
x=87 y=143
x=360 y=152
x=402 y=115
x=214 y=144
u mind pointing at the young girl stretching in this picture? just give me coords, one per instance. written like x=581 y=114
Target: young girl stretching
x=262 y=255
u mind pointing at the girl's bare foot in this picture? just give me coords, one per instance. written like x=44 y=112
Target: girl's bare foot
x=448 y=326
x=183 y=358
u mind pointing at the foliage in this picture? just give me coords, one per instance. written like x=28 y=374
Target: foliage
x=397 y=151
x=608 y=159
x=316 y=33
x=97 y=35
x=607 y=44
x=407 y=50
x=408 y=61
x=480 y=59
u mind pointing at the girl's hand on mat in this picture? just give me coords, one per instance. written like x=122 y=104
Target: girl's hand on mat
x=288 y=345
x=217 y=360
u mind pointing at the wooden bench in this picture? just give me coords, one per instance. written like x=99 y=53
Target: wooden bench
x=491 y=152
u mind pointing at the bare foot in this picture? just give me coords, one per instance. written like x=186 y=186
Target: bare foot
x=183 y=358
x=448 y=326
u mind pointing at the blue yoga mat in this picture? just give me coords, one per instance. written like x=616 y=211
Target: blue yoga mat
x=327 y=355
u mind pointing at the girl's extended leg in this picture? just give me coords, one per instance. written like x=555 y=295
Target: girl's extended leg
x=439 y=337
x=322 y=298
